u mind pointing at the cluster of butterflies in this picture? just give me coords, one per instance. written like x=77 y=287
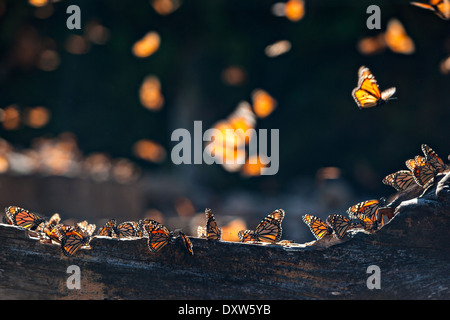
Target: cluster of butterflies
x=73 y=237
x=366 y=215
x=422 y=170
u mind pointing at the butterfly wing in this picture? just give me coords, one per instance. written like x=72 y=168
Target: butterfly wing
x=126 y=229
x=317 y=226
x=213 y=232
x=400 y=180
x=23 y=218
x=158 y=237
x=364 y=98
x=269 y=230
x=107 y=229
x=247 y=235
x=187 y=243
x=339 y=223
x=433 y=159
x=422 y=171
x=366 y=208
x=72 y=239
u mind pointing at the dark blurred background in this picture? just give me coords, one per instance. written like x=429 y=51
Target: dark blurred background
x=78 y=138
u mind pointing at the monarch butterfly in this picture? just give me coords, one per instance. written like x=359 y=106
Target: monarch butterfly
x=187 y=243
x=367 y=94
x=340 y=224
x=268 y=230
x=107 y=229
x=23 y=218
x=318 y=227
x=397 y=39
x=422 y=171
x=440 y=7
x=399 y=180
x=125 y=229
x=141 y=230
x=158 y=236
x=368 y=208
x=433 y=159
x=213 y=232
x=72 y=238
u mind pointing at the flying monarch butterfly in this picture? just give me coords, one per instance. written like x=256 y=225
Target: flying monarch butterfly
x=397 y=39
x=440 y=7
x=367 y=94
x=186 y=242
x=433 y=159
x=366 y=208
x=318 y=227
x=125 y=229
x=72 y=238
x=158 y=236
x=268 y=230
x=400 y=180
x=213 y=232
x=422 y=171
x=107 y=229
x=340 y=224
x=23 y=218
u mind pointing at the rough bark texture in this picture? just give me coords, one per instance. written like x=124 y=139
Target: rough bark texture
x=412 y=252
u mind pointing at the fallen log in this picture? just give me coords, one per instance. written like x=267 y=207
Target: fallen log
x=411 y=254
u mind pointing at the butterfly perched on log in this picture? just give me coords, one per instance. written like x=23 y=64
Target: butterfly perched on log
x=72 y=238
x=23 y=218
x=158 y=236
x=107 y=229
x=422 y=171
x=186 y=242
x=367 y=94
x=440 y=7
x=268 y=230
x=125 y=229
x=318 y=227
x=367 y=213
x=212 y=230
x=340 y=224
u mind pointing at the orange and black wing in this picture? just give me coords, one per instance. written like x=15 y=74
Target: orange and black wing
x=72 y=238
x=366 y=208
x=23 y=218
x=187 y=243
x=440 y=7
x=107 y=229
x=340 y=224
x=213 y=232
x=433 y=159
x=367 y=94
x=400 y=180
x=318 y=227
x=422 y=171
x=126 y=229
x=158 y=237
x=247 y=235
x=269 y=230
